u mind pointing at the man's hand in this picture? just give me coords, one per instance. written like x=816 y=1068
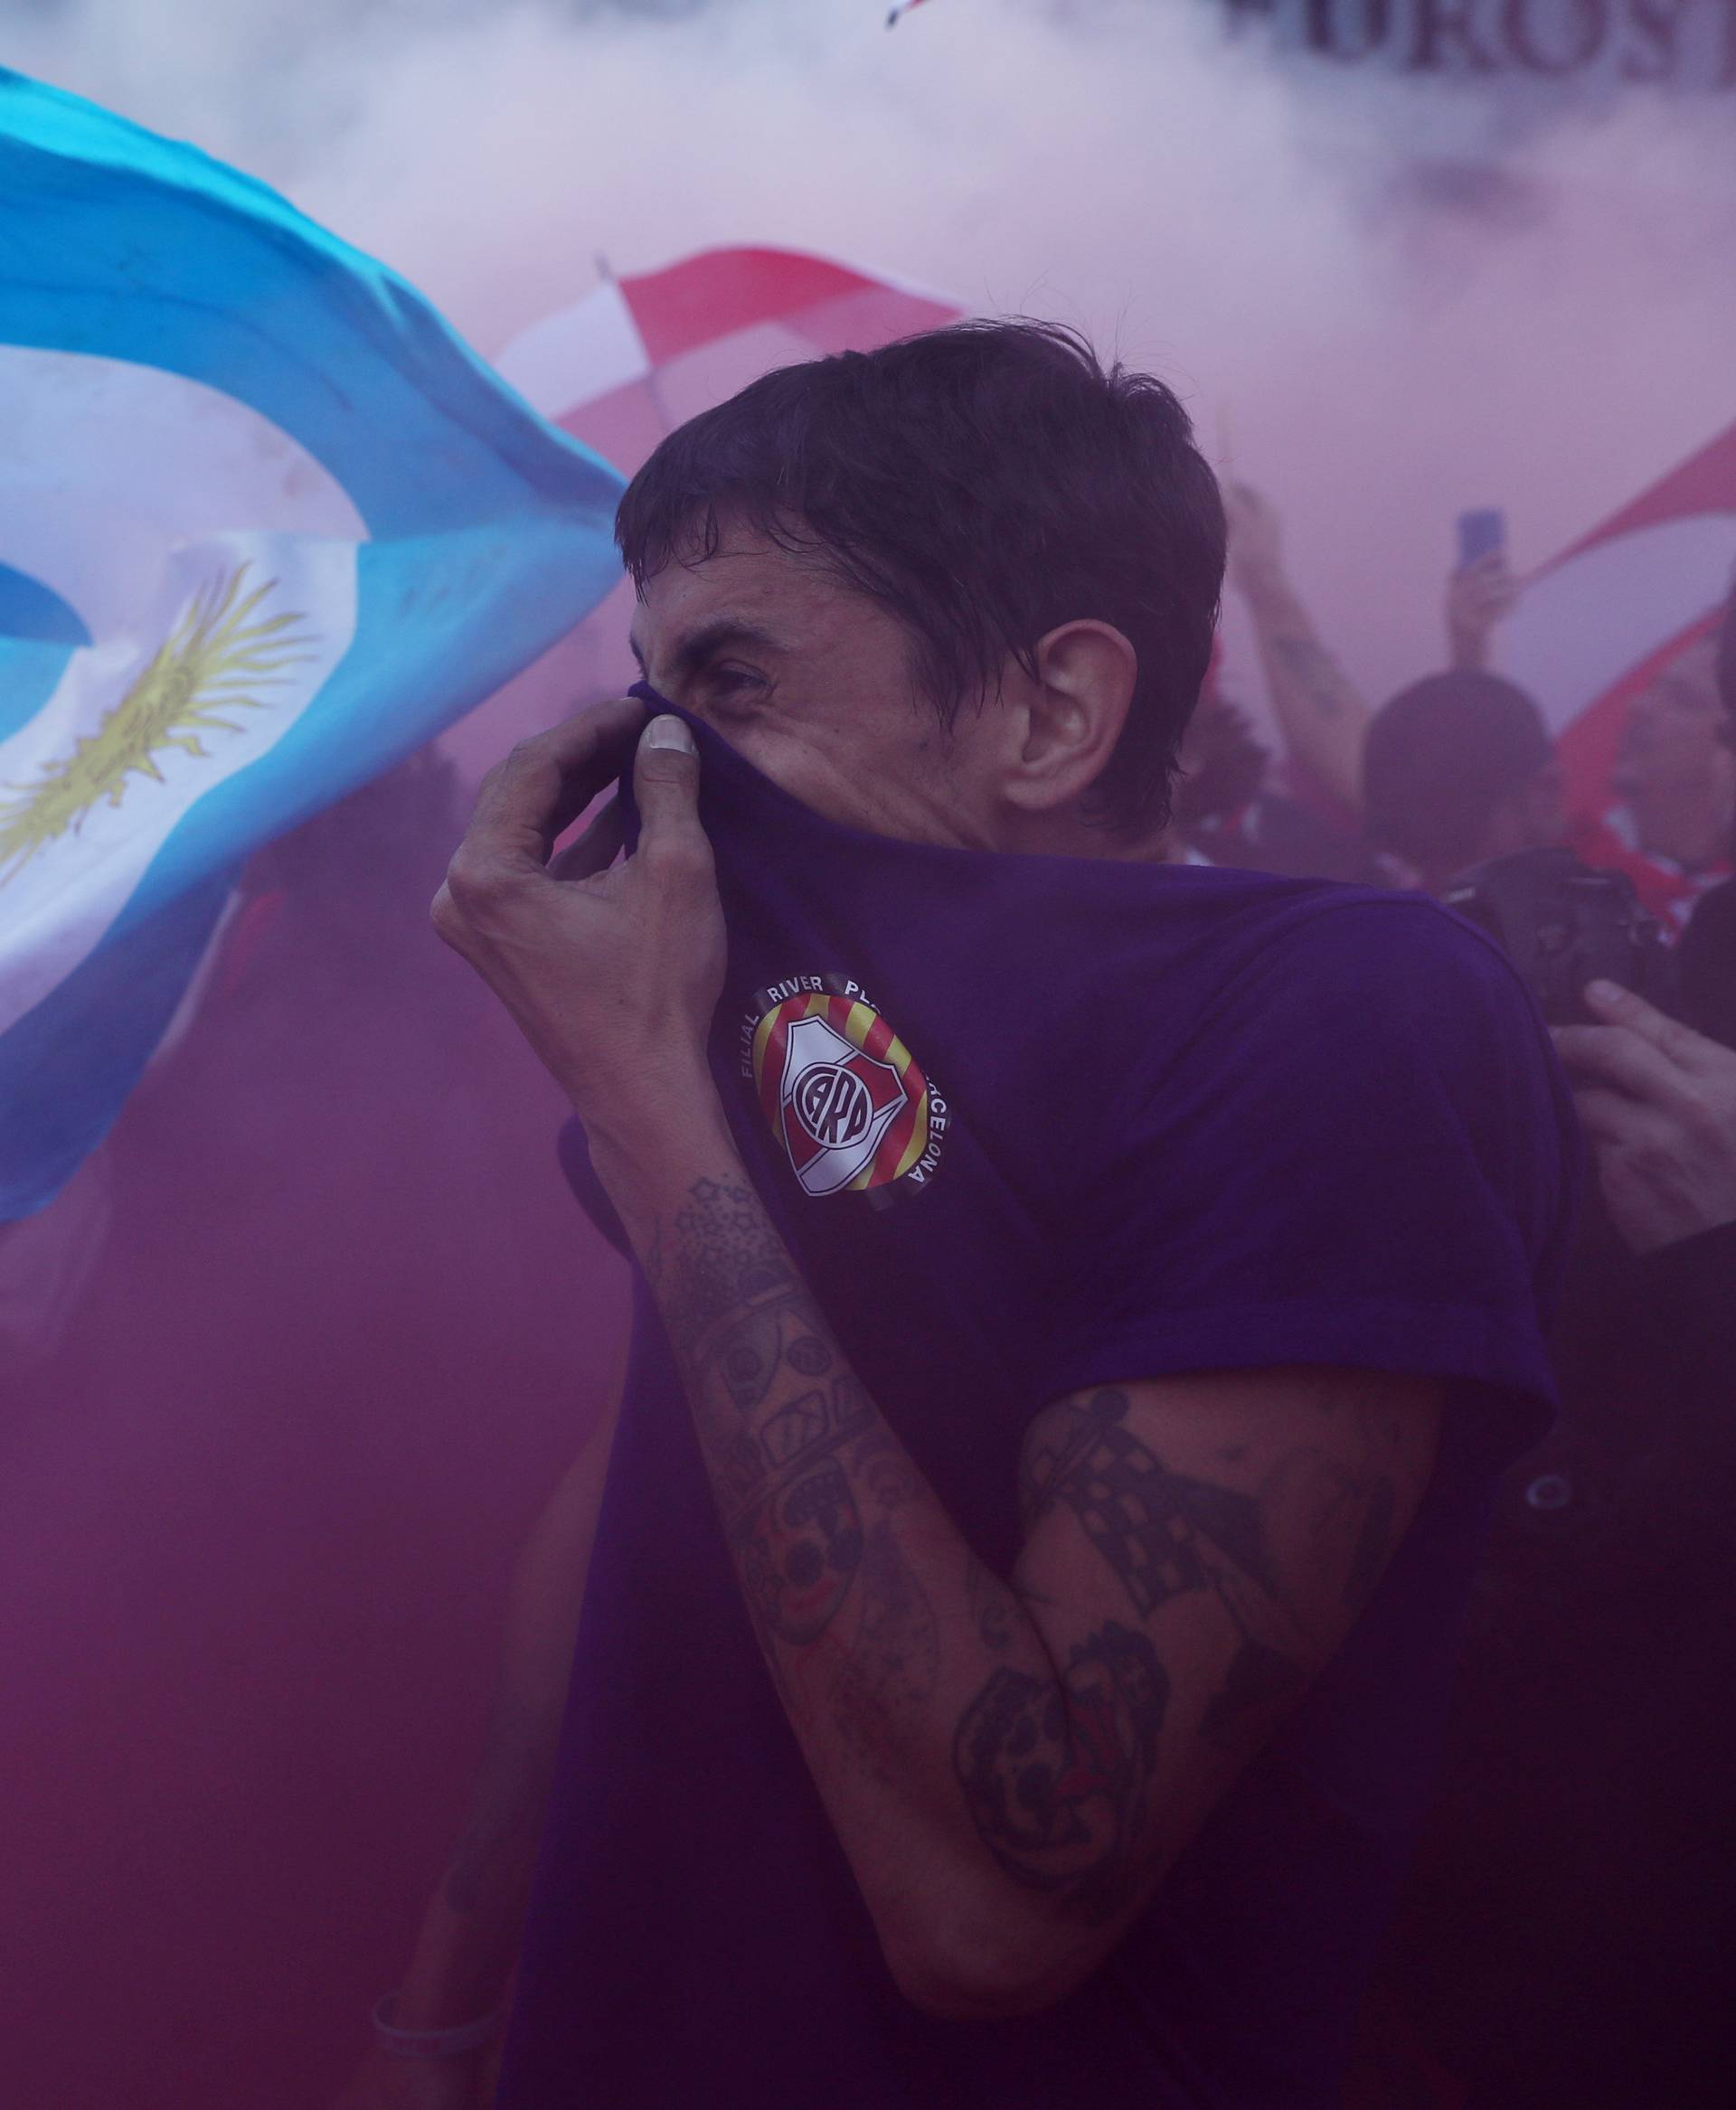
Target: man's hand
x=612 y=971
x=1659 y=1101
x=1478 y=596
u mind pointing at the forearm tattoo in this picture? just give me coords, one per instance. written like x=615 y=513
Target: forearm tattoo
x=1058 y=1778
x=1313 y=673
x=808 y=1479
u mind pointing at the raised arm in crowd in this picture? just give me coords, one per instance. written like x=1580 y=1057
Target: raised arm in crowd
x=1324 y=716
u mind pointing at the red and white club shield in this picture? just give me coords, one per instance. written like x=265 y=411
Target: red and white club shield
x=840 y=1090
x=834 y=1105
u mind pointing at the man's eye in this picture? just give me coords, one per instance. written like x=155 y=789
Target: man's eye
x=732 y=680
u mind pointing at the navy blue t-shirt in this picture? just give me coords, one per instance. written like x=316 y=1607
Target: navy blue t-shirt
x=1027 y=1124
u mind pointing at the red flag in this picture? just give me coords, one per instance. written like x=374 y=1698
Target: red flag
x=639 y=355
x=1604 y=618
x=1597 y=621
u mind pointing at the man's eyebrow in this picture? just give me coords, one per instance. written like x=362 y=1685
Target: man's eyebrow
x=698 y=645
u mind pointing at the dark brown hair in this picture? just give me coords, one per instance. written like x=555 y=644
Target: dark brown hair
x=985 y=484
x=1441 y=757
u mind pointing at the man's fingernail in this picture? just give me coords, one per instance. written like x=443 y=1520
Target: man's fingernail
x=665 y=731
x=1604 y=991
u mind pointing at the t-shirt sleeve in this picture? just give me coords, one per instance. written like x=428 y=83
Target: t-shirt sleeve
x=1363 y=1154
x=573 y=1148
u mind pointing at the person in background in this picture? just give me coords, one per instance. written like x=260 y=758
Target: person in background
x=1225 y=811
x=1657 y=1096
x=1561 y=1938
x=1668 y=826
x=1457 y=768
x=1565 y=1936
x=1675 y=784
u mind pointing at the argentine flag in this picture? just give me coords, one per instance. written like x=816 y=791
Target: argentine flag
x=266 y=526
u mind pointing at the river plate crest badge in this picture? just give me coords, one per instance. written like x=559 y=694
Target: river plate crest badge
x=844 y=1096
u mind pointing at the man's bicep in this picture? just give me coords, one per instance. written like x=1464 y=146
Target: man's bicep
x=1196 y=1548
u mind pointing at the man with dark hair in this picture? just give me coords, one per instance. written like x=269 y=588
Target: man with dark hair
x=877 y=473
x=1082 y=1301
x=1457 y=768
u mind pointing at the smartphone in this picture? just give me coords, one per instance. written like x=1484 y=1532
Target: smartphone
x=1478 y=534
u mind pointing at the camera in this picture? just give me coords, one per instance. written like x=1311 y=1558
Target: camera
x=1563 y=925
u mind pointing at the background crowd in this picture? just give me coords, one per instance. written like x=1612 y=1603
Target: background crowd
x=1561 y=1939
x=309 y=1430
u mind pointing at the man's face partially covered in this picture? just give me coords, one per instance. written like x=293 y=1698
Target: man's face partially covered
x=812 y=683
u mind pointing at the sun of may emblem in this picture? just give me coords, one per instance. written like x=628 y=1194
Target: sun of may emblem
x=220 y=655
x=842 y=1092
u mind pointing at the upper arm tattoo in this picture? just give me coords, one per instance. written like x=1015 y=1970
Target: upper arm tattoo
x=1156 y=1528
x=1058 y=1774
x=1164 y=1533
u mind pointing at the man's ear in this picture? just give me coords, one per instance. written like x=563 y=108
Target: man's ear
x=1068 y=720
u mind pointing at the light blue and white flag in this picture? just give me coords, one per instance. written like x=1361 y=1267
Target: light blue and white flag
x=266 y=526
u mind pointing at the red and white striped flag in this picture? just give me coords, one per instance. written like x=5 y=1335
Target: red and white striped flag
x=639 y=355
x=1601 y=621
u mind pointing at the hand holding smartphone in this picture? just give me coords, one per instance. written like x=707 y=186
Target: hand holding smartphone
x=1480 y=534
x=1481 y=589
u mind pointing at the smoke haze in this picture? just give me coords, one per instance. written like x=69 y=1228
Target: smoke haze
x=1384 y=298
x=347 y=1328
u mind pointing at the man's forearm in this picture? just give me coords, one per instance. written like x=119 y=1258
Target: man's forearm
x=880 y=1627
x=1323 y=714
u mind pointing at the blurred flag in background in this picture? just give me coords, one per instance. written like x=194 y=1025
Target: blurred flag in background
x=266 y=526
x=1597 y=624
x=639 y=356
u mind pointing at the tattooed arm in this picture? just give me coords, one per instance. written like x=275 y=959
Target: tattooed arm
x=1323 y=714
x=1011 y=1763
